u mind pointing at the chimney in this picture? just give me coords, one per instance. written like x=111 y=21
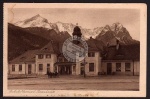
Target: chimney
x=117 y=44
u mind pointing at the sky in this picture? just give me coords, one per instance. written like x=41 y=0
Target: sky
x=87 y=18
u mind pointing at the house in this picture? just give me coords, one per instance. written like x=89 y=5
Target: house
x=118 y=60
x=46 y=57
x=121 y=59
x=23 y=64
x=92 y=61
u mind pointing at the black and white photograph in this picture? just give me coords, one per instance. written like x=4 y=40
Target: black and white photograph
x=84 y=50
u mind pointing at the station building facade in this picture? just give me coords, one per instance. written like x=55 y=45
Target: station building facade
x=122 y=60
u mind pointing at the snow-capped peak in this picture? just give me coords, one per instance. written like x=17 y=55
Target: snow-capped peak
x=116 y=27
x=39 y=21
x=35 y=21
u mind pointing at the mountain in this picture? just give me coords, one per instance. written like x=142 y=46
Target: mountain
x=59 y=27
x=36 y=21
x=20 y=40
x=110 y=34
x=107 y=34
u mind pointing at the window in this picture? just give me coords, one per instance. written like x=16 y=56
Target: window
x=48 y=65
x=20 y=67
x=91 y=67
x=118 y=67
x=91 y=54
x=40 y=67
x=40 y=56
x=13 y=67
x=48 y=55
x=127 y=67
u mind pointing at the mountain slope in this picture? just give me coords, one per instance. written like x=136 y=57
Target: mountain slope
x=20 y=41
x=50 y=34
x=45 y=29
x=35 y=21
x=110 y=34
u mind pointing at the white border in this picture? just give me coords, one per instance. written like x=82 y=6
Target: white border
x=75 y=93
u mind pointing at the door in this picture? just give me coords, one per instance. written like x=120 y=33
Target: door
x=62 y=69
x=29 y=69
x=109 y=68
x=82 y=70
x=48 y=68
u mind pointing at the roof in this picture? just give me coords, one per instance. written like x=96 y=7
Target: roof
x=27 y=57
x=125 y=52
x=65 y=63
x=51 y=47
x=94 y=45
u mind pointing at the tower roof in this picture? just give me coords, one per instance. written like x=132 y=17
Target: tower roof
x=77 y=31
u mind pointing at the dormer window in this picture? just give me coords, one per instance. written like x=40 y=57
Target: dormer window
x=40 y=56
x=91 y=54
x=48 y=55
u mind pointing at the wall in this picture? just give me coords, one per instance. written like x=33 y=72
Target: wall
x=33 y=68
x=16 y=69
x=123 y=72
x=136 y=68
x=46 y=61
x=24 y=68
x=95 y=60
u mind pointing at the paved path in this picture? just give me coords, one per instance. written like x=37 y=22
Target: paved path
x=76 y=83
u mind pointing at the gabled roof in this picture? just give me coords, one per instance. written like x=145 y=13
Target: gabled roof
x=51 y=47
x=125 y=52
x=27 y=57
x=94 y=45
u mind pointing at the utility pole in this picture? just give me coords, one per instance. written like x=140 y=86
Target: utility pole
x=84 y=68
x=133 y=67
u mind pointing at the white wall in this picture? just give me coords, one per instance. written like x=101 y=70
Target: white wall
x=24 y=68
x=95 y=60
x=46 y=61
x=136 y=67
x=17 y=69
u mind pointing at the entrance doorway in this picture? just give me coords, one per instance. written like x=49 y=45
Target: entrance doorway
x=109 y=68
x=82 y=70
x=29 y=69
x=65 y=69
x=48 y=68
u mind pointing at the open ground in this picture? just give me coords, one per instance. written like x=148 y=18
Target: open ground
x=69 y=82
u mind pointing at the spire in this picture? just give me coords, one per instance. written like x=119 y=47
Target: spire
x=77 y=31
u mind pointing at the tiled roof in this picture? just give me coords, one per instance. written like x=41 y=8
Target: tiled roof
x=51 y=47
x=125 y=52
x=28 y=57
x=91 y=45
